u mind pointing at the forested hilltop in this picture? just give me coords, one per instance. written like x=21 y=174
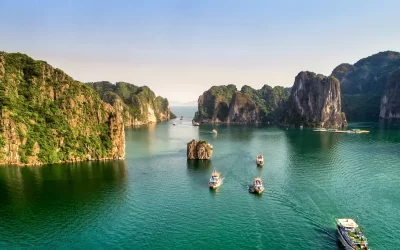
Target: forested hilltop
x=365 y=91
x=48 y=117
x=363 y=86
x=139 y=105
x=225 y=104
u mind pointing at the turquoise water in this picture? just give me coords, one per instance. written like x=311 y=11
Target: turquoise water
x=156 y=199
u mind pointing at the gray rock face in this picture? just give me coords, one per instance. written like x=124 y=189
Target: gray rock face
x=390 y=103
x=243 y=110
x=315 y=102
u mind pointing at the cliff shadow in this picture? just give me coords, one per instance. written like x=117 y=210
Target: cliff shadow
x=49 y=184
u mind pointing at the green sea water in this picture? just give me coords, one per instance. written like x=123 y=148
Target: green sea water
x=156 y=199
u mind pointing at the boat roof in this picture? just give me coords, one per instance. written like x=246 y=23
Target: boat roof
x=348 y=223
x=257 y=179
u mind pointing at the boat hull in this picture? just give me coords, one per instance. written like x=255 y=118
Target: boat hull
x=214 y=186
x=256 y=190
x=346 y=245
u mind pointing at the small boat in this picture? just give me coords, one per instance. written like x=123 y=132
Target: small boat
x=260 y=160
x=257 y=186
x=174 y=123
x=195 y=123
x=214 y=131
x=320 y=130
x=181 y=118
x=350 y=235
x=301 y=126
x=215 y=179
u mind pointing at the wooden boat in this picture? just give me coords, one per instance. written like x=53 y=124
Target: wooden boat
x=257 y=186
x=215 y=179
x=260 y=160
x=350 y=235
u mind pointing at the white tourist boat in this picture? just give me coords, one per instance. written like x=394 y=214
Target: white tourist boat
x=214 y=131
x=257 y=186
x=350 y=235
x=260 y=160
x=215 y=179
x=195 y=123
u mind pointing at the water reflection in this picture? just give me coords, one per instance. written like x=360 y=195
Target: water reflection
x=199 y=165
x=199 y=172
x=54 y=183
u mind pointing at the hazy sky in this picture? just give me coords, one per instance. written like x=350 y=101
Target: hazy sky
x=181 y=48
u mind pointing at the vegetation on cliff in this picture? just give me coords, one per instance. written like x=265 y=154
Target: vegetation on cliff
x=363 y=84
x=47 y=117
x=213 y=105
x=249 y=105
x=390 y=103
x=199 y=150
x=139 y=104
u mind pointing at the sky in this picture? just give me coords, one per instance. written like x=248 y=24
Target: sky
x=182 y=48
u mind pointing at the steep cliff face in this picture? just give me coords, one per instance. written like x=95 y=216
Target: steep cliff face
x=390 y=103
x=242 y=109
x=315 y=101
x=200 y=150
x=47 y=117
x=139 y=105
x=213 y=104
x=363 y=84
x=224 y=104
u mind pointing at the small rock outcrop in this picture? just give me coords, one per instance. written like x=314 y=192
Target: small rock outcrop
x=390 y=103
x=199 y=150
x=315 y=102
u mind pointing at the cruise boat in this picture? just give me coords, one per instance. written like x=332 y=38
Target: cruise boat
x=215 y=179
x=320 y=130
x=257 y=186
x=260 y=160
x=350 y=235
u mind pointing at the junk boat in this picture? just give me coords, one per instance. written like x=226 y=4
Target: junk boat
x=214 y=131
x=257 y=186
x=215 y=179
x=350 y=235
x=320 y=130
x=195 y=123
x=260 y=160
x=332 y=130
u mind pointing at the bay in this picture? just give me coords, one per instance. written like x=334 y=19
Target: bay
x=157 y=199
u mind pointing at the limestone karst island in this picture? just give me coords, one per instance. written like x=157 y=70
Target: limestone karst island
x=200 y=124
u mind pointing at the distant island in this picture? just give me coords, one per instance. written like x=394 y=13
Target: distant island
x=48 y=117
x=365 y=91
x=139 y=105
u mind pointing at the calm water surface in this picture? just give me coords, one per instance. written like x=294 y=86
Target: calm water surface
x=156 y=199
